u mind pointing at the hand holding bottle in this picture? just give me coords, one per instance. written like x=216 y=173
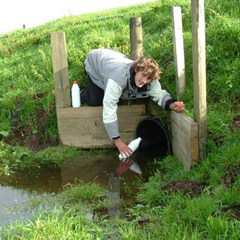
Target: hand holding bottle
x=127 y=163
x=123 y=148
x=133 y=145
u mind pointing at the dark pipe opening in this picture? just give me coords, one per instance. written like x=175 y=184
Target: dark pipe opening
x=155 y=137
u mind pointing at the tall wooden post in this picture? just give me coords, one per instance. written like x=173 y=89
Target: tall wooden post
x=136 y=37
x=199 y=73
x=179 y=50
x=184 y=130
x=60 y=70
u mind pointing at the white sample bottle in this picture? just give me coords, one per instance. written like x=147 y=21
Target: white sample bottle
x=133 y=145
x=75 y=93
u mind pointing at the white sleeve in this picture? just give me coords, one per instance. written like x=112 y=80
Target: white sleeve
x=158 y=94
x=112 y=94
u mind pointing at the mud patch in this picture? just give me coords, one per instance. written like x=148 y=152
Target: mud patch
x=231 y=175
x=190 y=188
x=233 y=211
x=143 y=222
x=236 y=122
x=217 y=139
x=103 y=212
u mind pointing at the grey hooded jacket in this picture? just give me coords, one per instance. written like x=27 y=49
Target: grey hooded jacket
x=110 y=70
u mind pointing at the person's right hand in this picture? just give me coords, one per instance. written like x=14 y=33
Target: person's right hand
x=123 y=148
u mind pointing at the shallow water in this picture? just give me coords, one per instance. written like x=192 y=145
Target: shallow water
x=17 y=193
x=89 y=169
x=14 y=204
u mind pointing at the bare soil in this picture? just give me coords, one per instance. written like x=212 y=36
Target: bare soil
x=236 y=122
x=190 y=188
x=233 y=211
x=231 y=175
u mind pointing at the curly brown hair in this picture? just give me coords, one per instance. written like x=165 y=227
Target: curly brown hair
x=148 y=66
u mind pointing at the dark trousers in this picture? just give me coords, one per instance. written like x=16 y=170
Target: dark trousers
x=92 y=95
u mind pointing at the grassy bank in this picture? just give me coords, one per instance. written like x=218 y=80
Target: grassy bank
x=173 y=204
x=201 y=204
x=26 y=94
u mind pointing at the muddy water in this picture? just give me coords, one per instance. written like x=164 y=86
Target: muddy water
x=89 y=169
x=23 y=188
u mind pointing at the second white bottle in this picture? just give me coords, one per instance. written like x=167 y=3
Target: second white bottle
x=75 y=93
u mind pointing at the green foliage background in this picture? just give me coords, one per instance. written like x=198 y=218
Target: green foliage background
x=26 y=67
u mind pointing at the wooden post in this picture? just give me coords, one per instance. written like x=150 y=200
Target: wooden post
x=136 y=37
x=184 y=139
x=60 y=70
x=199 y=73
x=184 y=129
x=178 y=50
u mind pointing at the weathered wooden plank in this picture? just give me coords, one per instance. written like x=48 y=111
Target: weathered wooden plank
x=60 y=69
x=184 y=139
x=95 y=125
x=88 y=112
x=179 y=50
x=136 y=37
x=83 y=127
x=60 y=72
x=89 y=141
x=199 y=73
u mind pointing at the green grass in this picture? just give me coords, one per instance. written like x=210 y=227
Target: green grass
x=27 y=92
x=67 y=220
x=26 y=69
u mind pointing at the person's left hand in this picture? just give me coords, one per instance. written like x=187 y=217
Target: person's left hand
x=177 y=106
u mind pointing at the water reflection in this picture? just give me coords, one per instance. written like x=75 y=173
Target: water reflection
x=17 y=192
x=24 y=187
x=89 y=169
